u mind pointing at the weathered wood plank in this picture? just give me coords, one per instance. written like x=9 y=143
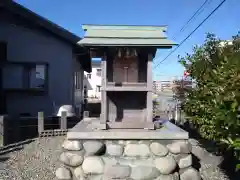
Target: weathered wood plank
x=103 y=93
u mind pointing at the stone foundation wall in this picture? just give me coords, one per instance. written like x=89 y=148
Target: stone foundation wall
x=127 y=160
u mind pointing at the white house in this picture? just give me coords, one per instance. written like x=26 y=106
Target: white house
x=93 y=81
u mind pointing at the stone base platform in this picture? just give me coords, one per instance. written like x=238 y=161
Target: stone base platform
x=88 y=129
x=147 y=157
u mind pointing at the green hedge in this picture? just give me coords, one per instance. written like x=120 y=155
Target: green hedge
x=213 y=106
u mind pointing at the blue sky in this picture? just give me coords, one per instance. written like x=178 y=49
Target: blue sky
x=174 y=13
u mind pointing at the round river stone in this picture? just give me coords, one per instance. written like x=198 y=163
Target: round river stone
x=71 y=159
x=93 y=147
x=166 y=165
x=72 y=145
x=63 y=174
x=190 y=174
x=93 y=165
x=144 y=172
x=115 y=149
x=137 y=150
x=158 y=149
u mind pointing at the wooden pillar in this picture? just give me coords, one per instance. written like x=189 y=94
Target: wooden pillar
x=103 y=90
x=149 y=88
x=149 y=73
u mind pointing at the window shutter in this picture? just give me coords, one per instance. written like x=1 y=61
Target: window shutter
x=3 y=52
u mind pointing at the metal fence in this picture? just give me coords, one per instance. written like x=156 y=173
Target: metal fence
x=15 y=129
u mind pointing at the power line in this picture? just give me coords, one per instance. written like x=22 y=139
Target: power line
x=193 y=17
x=197 y=13
x=192 y=32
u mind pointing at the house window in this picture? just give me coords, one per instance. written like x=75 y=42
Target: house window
x=99 y=71
x=98 y=88
x=25 y=76
x=36 y=76
x=89 y=76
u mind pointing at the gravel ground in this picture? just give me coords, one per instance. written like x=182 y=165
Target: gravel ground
x=36 y=161
x=213 y=173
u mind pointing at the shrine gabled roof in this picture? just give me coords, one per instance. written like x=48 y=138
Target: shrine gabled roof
x=107 y=35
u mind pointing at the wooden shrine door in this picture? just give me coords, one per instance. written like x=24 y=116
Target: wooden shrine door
x=125 y=70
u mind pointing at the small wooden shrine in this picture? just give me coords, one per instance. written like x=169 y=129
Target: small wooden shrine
x=127 y=54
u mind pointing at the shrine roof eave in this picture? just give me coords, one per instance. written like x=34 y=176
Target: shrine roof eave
x=121 y=27
x=157 y=43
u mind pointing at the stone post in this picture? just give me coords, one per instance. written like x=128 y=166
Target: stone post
x=63 y=120
x=40 y=122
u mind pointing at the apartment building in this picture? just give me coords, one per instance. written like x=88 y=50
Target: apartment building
x=160 y=86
